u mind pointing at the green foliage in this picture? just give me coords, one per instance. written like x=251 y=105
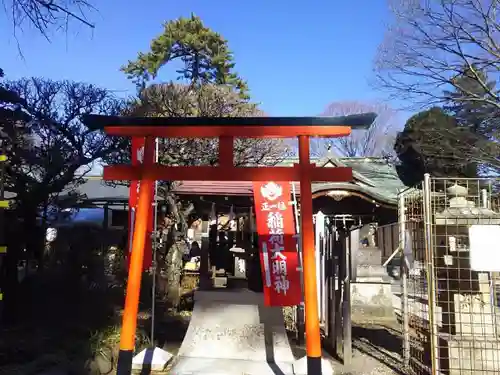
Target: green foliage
x=205 y=56
x=104 y=342
x=433 y=142
x=460 y=140
x=470 y=86
x=213 y=89
x=469 y=104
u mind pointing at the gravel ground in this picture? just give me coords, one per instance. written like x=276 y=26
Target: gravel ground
x=376 y=350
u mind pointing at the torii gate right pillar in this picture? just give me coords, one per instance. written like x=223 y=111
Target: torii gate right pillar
x=313 y=346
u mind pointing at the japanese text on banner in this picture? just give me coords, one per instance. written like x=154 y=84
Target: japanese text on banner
x=279 y=258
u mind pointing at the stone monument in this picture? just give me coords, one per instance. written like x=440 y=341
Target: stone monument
x=371 y=286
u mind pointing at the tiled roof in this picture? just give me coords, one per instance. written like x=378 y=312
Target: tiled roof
x=372 y=176
x=96 y=189
x=214 y=188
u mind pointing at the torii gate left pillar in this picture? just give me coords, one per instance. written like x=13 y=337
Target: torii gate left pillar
x=226 y=129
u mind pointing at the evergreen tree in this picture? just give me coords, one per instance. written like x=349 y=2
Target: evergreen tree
x=469 y=105
x=433 y=142
x=204 y=54
x=211 y=88
x=465 y=104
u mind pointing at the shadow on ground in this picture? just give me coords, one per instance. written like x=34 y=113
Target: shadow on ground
x=57 y=323
x=382 y=343
x=72 y=328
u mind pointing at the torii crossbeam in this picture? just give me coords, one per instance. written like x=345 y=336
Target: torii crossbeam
x=226 y=129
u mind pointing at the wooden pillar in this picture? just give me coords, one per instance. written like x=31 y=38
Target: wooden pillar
x=105 y=221
x=331 y=274
x=232 y=224
x=346 y=305
x=313 y=338
x=205 y=282
x=129 y=323
x=338 y=292
x=213 y=239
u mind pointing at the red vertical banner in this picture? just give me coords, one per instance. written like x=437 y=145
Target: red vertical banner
x=278 y=254
x=137 y=158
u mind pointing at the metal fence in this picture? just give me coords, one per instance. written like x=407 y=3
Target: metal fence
x=388 y=239
x=333 y=284
x=448 y=231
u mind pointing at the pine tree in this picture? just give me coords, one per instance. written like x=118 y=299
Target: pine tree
x=204 y=54
x=210 y=88
x=467 y=103
x=432 y=142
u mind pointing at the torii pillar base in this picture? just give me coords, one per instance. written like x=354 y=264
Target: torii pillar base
x=151 y=359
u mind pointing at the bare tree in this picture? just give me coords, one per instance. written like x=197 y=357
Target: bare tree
x=376 y=141
x=47 y=14
x=174 y=100
x=46 y=144
x=208 y=100
x=430 y=42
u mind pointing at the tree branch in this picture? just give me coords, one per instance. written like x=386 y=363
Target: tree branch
x=429 y=43
x=47 y=14
x=377 y=141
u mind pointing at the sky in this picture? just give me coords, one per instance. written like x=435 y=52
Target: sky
x=297 y=56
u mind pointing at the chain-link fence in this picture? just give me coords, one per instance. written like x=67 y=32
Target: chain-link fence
x=449 y=229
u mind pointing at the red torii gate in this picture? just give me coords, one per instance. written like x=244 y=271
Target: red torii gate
x=226 y=129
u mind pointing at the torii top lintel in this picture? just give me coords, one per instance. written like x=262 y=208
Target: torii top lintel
x=226 y=129
x=239 y=127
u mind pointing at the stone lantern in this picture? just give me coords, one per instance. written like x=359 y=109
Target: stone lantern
x=468 y=337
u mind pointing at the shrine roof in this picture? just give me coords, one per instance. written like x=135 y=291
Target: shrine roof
x=373 y=177
x=95 y=189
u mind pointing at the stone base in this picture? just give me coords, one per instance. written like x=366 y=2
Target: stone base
x=369 y=255
x=155 y=359
x=475 y=316
x=220 y=282
x=232 y=332
x=198 y=366
x=374 y=272
x=470 y=356
x=217 y=366
x=300 y=367
x=372 y=297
